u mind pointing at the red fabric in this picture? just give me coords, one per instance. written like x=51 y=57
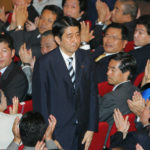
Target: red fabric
x=23 y=107
x=21 y=147
x=90 y=23
x=0 y=74
x=99 y=137
x=9 y=17
x=16 y=58
x=131 y=119
x=104 y=88
x=138 y=79
x=129 y=46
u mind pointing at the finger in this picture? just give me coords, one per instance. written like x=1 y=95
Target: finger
x=84 y=139
x=86 y=145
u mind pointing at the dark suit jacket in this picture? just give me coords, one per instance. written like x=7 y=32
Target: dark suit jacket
x=141 y=55
x=30 y=38
x=115 y=99
x=53 y=93
x=140 y=136
x=101 y=68
x=14 y=83
x=32 y=13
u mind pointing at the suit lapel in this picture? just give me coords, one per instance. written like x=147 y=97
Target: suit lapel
x=79 y=69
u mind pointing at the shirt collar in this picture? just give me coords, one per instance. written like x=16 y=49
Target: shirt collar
x=3 y=70
x=119 y=85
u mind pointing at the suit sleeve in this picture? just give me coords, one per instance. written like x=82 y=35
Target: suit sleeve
x=40 y=89
x=98 y=34
x=17 y=87
x=93 y=118
x=106 y=107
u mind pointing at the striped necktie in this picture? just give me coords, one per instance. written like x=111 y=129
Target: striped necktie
x=71 y=71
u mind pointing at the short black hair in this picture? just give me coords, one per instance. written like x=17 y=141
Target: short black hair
x=130 y=7
x=144 y=20
x=48 y=32
x=32 y=128
x=60 y=25
x=82 y=4
x=124 y=30
x=127 y=63
x=7 y=39
x=55 y=10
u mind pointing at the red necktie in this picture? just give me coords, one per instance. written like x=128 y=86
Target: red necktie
x=0 y=74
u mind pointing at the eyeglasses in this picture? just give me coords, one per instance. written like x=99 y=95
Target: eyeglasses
x=112 y=37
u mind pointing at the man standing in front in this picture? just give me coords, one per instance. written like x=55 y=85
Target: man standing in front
x=63 y=85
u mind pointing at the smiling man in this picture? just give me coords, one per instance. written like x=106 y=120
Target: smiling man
x=141 y=50
x=12 y=80
x=63 y=85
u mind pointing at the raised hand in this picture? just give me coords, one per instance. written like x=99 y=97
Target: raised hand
x=14 y=109
x=3 y=104
x=137 y=104
x=49 y=131
x=122 y=124
x=86 y=34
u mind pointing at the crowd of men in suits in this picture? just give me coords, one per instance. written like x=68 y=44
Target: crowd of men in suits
x=62 y=56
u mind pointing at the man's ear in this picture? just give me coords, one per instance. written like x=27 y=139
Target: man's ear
x=12 y=53
x=81 y=13
x=126 y=75
x=125 y=43
x=57 y=39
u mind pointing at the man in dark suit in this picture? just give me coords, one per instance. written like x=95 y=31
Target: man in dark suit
x=32 y=39
x=114 y=41
x=66 y=88
x=121 y=68
x=13 y=81
x=141 y=50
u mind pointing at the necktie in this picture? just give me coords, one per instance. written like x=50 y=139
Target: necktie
x=0 y=74
x=71 y=70
x=100 y=57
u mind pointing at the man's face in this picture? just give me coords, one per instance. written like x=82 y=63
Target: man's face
x=145 y=114
x=112 y=41
x=6 y=55
x=117 y=13
x=72 y=8
x=141 y=36
x=114 y=74
x=70 y=40
x=47 y=44
x=46 y=21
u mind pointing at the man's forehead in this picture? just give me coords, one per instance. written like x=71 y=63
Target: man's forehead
x=113 y=31
x=71 y=30
x=114 y=64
